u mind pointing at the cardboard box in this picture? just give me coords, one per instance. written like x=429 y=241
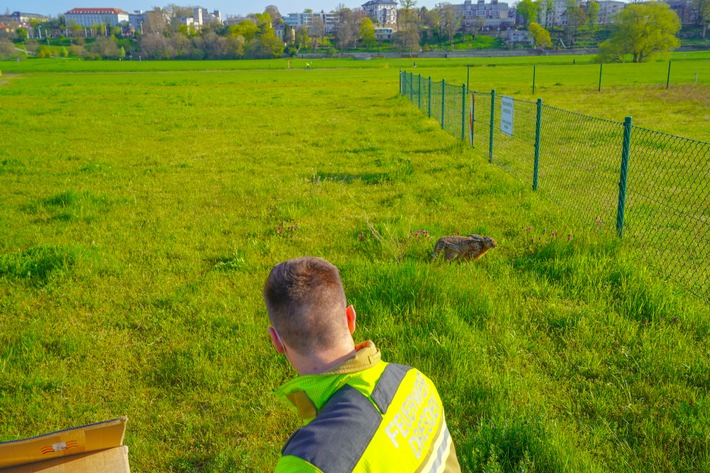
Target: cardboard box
x=90 y=448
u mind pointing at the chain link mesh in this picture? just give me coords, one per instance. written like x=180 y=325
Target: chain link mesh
x=514 y=153
x=668 y=205
x=667 y=211
x=580 y=159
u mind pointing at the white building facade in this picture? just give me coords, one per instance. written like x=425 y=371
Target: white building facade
x=607 y=10
x=88 y=17
x=494 y=14
x=382 y=12
x=297 y=20
x=558 y=15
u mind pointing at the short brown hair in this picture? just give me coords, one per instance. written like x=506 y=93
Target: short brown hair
x=306 y=304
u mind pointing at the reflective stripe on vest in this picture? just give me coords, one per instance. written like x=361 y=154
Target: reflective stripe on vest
x=343 y=429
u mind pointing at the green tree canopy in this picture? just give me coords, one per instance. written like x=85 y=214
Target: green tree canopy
x=247 y=29
x=541 y=37
x=450 y=20
x=593 y=13
x=302 y=37
x=703 y=9
x=641 y=29
x=527 y=9
x=367 y=33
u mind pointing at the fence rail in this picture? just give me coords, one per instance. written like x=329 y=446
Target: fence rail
x=649 y=187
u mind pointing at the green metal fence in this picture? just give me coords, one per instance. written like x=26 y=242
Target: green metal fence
x=649 y=187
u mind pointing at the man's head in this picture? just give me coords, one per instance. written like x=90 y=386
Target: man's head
x=306 y=304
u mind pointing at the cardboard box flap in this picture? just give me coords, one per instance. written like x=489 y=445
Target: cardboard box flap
x=87 y=438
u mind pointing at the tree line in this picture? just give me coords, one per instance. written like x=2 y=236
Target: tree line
x=638 y=30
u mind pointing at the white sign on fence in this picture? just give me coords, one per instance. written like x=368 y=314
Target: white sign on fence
x=506 y=115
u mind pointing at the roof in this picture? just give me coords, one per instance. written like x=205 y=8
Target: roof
x=103 y=11
x=380 y=2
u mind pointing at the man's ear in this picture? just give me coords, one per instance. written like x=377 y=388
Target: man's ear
x=350 y=315
x=276 y=340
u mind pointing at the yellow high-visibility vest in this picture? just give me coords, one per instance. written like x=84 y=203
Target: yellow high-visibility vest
x=386 y=418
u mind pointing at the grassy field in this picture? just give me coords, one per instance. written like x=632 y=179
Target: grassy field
x=142 y=210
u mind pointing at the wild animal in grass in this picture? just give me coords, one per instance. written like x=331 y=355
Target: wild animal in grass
x=463 y=247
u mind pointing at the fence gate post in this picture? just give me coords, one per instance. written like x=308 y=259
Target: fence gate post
x=429 y=102
x=623 y=177
x=419 y=92
x=443 y=102
x=493 y=119
x=463 y=113
x=537 y=142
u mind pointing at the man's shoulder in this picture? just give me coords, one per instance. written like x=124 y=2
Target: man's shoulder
x=344 y=427
x=340 y=433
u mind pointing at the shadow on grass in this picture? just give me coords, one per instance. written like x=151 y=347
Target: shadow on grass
x=39 y=264
x=402 y=173
x=69 y=206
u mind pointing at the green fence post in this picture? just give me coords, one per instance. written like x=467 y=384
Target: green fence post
x=599 y=89
x=473 y=114
x=463 y=113
x=668 y=80
x=534 y=71
x=493 y=118
x=429 y=104
x=443 y=103
x=623 y=177
x=419 y=92
x=401 y=85
x=537 y=142
x=411 y=87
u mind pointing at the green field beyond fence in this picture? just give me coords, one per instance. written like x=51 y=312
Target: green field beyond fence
x=652 y=188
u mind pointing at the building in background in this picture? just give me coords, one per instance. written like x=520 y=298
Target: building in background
x=22 y=18
x=88 y=17
x=494 y=15
x=310 y=20
x=607 y=9
x=136 y=20
x=383 y=33
x=382 y=12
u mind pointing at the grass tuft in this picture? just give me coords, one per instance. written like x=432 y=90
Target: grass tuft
x=39 y=265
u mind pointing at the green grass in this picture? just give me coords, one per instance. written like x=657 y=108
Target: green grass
x=141 y=212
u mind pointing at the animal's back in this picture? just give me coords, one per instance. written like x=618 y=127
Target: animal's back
x=455 y=246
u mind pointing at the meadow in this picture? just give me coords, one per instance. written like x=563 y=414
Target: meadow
x=142 y=209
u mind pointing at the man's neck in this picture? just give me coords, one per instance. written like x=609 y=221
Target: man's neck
x=322 y=362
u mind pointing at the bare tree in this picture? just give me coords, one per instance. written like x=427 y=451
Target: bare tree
x=347 y=32
x=450 y=20
x=155 y=46
x=156 y=21
x=317 y=32
x=276 y=17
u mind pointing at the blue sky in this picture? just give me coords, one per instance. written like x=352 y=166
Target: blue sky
x=227 y=7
